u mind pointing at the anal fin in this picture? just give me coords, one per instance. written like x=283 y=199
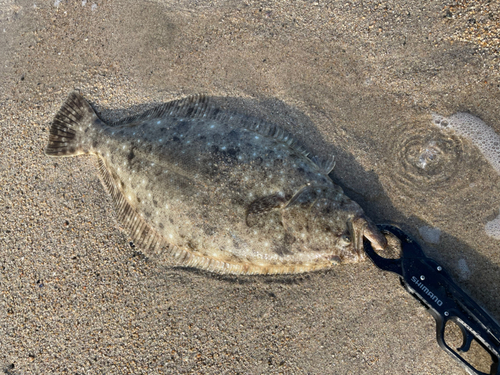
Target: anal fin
x=133 y=224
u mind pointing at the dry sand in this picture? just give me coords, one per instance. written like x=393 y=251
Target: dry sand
x=359 y=79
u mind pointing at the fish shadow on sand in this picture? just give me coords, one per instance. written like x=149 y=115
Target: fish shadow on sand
x=484 y=277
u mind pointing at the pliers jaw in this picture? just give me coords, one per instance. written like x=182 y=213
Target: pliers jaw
x=432 y=286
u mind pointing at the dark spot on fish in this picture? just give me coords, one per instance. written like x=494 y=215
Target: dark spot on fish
x=270 y=155
x=122 y=184
x=176 y=139
x=233 y=136
x=94 y=143
x=278 y=163
x=209 y=230
x=260 y=206
x=171 y=220
x=236 y=243
x=161 y=225
x=217 y=138
x=228 y=155
x=155 y=203
x=264 y=204
x=182 y=184
x=231 y=152
x=131 y=155
x=138 y=200
x=289 y=239
x=182 y=126
x=191 y=245
x=281 y=249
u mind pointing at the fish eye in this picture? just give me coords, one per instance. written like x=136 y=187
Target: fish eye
x=346 y=238
x=335 y=260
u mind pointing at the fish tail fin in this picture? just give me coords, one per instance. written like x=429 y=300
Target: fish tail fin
x=67 y=131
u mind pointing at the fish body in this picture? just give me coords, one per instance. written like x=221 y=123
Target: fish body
x=215 y=190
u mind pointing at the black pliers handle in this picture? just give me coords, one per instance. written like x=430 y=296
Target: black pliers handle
x=430 y=284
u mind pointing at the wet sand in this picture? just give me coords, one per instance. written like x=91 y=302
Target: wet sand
x=359 y=81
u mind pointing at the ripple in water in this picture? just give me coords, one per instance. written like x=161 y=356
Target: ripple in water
x=426 y=159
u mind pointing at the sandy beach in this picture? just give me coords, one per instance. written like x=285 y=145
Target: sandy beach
x=359 y=80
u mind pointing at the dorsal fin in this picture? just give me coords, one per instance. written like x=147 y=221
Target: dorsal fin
x=201 y=106
x=324 y=165
x=195 y=106
x=270 y=130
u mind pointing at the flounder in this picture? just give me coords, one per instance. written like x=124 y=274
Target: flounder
x=215 y=190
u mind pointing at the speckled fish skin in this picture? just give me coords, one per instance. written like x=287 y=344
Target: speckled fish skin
x=217 y=191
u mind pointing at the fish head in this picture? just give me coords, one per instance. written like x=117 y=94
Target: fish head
x=342 y=226
x=346 y=242
x=332 y=229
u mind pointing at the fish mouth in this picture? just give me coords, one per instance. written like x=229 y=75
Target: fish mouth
x=359 y=228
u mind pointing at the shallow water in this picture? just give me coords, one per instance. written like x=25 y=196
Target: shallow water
x=359 y=81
